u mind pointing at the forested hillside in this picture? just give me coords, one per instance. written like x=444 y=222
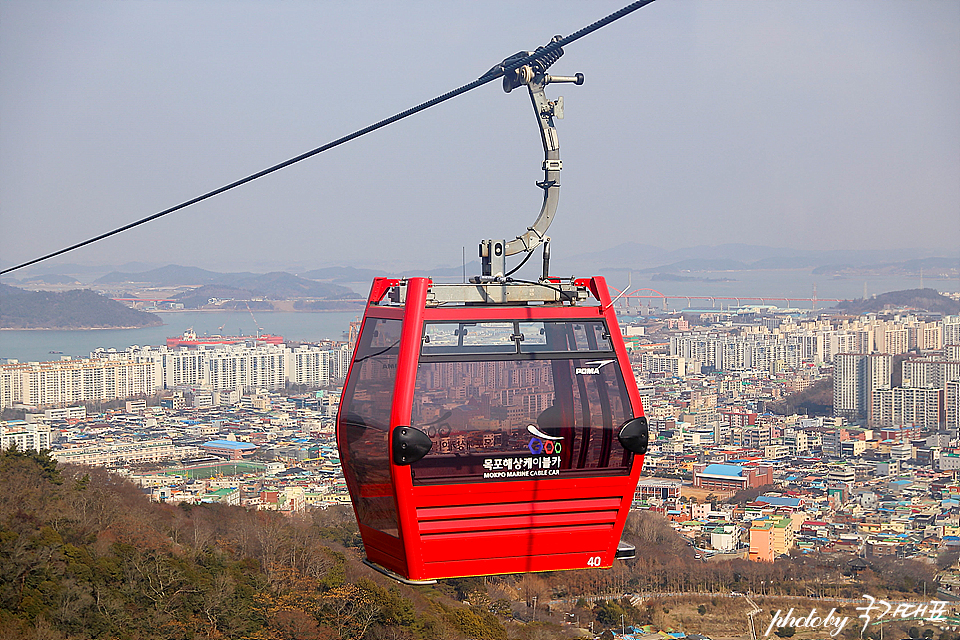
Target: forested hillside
x=921 y=299
x=84 y=554
x=76 y=309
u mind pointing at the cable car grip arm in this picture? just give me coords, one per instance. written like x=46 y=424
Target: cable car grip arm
x=534 y=76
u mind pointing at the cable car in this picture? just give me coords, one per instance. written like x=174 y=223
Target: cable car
x=493 y=426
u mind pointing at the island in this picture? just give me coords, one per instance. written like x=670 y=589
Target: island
x=74 y=309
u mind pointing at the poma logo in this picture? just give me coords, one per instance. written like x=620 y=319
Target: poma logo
x=592 y=368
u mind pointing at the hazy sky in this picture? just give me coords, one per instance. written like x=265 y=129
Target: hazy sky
x=827 y=124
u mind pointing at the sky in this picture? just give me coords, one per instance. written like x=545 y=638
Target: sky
x=822 y=125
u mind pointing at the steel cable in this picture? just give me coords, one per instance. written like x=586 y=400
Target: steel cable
x=491 y=75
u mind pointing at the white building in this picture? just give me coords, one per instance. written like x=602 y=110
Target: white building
x=673 y=366
x=125 y=452
x=951 y=330
x=855 y=377
x=900 y=406
x=26 y=436
x=74 y=381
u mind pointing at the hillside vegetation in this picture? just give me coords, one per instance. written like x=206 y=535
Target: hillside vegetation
x=815 y=400
x=84 y=554
x=76 y=309
x=919 y=299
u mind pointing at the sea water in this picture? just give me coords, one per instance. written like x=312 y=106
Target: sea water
x=37 y=345
x=718 y=289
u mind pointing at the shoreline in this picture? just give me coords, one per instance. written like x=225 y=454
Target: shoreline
x=358 y=310
x=360 y=305
x=146 y=326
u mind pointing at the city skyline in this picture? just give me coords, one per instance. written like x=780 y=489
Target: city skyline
x=804 y=126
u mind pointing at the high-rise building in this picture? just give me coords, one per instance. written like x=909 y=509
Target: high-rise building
x=66 y=382
x=855 y=377
x=930 y=373
x=951 y=330
x=951 y=403
x=900 y=406
x=110 y=375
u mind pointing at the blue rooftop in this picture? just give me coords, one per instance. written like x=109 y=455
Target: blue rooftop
x=780 y=502
x=229 y=444
x=724 y=470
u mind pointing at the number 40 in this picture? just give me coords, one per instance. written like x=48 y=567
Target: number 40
x=593 y=561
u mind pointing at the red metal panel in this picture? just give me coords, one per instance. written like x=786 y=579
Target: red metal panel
x=506 y=509
x=508 y=543
x=408 y=357
x=538 y=490
x=387 y=313
x=384 y=549
x=582 y=547
x=549 y=537
x=520 y=564
x=485 y=523
x=513 y=313
x=379 y=289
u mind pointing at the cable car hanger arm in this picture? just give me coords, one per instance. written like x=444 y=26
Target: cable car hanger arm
x=534 y=75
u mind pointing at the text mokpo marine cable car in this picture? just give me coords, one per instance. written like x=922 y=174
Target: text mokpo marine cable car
x=493 y=426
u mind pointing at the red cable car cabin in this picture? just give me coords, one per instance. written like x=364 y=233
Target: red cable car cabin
x=490 y=437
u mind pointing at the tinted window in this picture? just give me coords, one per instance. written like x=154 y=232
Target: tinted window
x=492 y=338
x=365 y=424
x=469 y=337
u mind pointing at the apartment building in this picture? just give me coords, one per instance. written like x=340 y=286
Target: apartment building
x=111 y=375
x=74 y=381
x=855 y=377
x=951 y=330
x=898 y=406
x=770 y=538
x=26 y=436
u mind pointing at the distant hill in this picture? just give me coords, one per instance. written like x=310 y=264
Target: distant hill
x=172 y=275
x=270 y=286
x=278 y=285
x=636 y=256
x=642 y=256
x=933 y=267
x=695 y=264
x=342 y=274
x=52 y=279
x=76 y=309
x=196 y=298
x=920 y=299
x=283 y=285
x=673 y=277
